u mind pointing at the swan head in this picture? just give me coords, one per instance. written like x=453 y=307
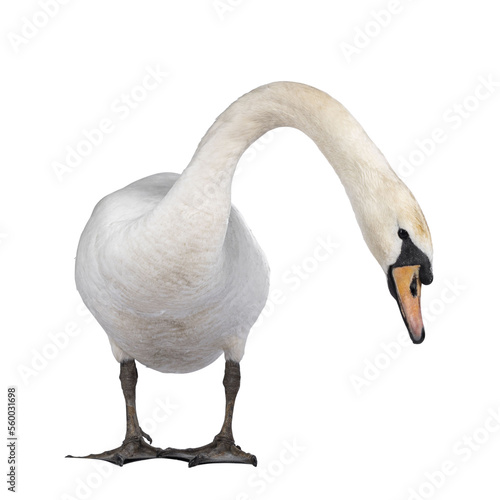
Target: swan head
x=405 y=277
x=397 y=234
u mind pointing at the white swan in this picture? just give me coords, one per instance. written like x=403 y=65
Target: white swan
x=175 y=278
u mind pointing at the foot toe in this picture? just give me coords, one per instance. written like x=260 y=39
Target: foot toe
x=147 y=436
x=215 y=452
x=129 y=451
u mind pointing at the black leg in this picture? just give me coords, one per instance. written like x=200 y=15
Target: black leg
x=231 y=382
x=223 y=448
x=133 y=447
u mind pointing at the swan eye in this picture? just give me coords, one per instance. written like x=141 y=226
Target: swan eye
x=403 y=234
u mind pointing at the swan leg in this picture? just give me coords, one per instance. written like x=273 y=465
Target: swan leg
x=133 y=447
x=223 y=448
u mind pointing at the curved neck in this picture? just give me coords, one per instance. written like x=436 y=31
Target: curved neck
x=203 y=192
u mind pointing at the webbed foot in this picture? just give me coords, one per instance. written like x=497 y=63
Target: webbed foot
x=221 y=450
x=131 y=450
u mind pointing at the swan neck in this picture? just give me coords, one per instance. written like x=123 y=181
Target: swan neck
x=334 y=130
x=201 y=198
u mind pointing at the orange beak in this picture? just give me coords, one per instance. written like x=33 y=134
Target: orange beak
x=408 y=285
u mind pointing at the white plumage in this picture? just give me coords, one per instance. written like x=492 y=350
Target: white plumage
x=168 y=303
x=168 y=266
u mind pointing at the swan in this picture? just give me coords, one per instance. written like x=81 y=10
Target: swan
x=175 y=278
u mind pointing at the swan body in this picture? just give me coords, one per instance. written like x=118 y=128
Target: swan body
x=175 y=278
x=180 y=317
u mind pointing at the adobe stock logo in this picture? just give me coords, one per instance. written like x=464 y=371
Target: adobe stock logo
x=31 y=27
x=296 y=275
x=462 y=451
x=271 y=472
x=122 y=107
x=55 y=343
x=223 y=7
x=452 y=119
x=377 y=365
x=365 y=33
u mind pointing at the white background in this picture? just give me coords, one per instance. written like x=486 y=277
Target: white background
x=317 y=375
